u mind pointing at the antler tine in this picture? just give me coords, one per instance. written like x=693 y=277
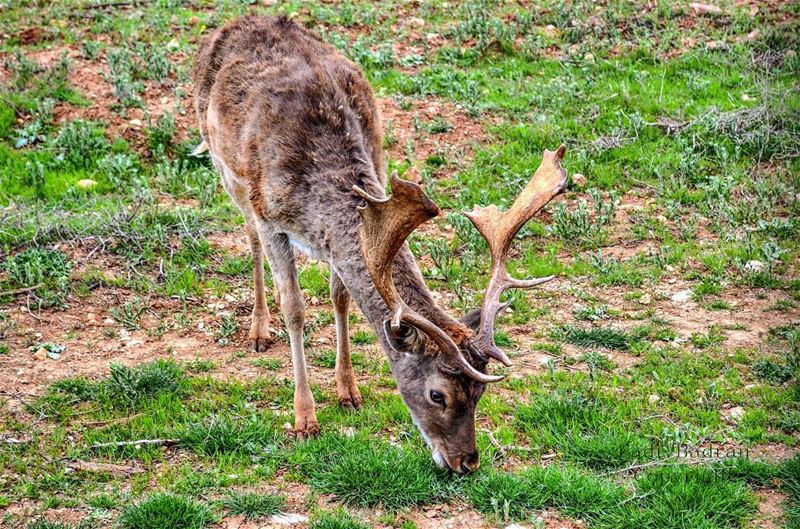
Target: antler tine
x=499 y=229
x=386 y=223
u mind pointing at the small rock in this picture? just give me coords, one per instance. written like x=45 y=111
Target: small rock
x=645 y=299
x=682 y=296
x=746 y=97
x=697 y=7
x=41 y=354
x=578 y=180
x=715 y=45
x=515 y=526
x=789 y=54
x=753 y=35
x=754 y=266
x=544 y=360
x=735 y=413
x=173 y=45
x=431 y=513
x=135 y=123
x=86 y=183
x=652 y=399
x=288 y=518
x=416 y=21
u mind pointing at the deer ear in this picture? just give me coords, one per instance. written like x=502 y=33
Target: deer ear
x=405 y=338
x=472 y=319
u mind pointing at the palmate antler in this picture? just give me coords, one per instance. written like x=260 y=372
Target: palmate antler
x=499 y=228
x=387 y=222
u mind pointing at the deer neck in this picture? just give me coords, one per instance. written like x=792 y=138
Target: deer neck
x=410 y=286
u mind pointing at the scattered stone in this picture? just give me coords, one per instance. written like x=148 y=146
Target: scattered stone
x=578 y=180
x=682 y=296
x=544 y=360
x=431 y=513
x=41 y=354
x=85 y=183
x=754 y=266
x=652 y=399
x=734 y=414
x=697 y=7
x=288 y=518
x=645 y=299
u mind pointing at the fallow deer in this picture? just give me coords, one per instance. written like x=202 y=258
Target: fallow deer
x=293 y=129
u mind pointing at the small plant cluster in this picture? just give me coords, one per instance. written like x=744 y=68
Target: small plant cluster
x=584 y=225
x=129 y=66
x=45 y=273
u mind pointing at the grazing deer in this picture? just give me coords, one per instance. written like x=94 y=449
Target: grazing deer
x=293 y=129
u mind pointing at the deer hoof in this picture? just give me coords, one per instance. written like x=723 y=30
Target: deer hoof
x=350 y=397
x=306 y=430
x=260 y=345
x=351 y=402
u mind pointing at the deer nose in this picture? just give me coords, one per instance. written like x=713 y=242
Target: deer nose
x=470 y=463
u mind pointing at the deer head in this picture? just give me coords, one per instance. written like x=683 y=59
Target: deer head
x=442 y=370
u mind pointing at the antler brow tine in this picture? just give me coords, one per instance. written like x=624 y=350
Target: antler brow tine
x=499 y=229
x=386 y=224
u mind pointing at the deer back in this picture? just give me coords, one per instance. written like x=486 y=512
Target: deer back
x=288 y=114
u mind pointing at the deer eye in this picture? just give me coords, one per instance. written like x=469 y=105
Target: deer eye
x=437 y=397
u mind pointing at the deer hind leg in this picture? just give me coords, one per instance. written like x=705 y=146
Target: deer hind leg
x=346 y=387
x=284 y=274
x=259 y=326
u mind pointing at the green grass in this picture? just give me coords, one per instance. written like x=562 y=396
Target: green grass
x=165 y=510
x=336 y=520
x=224 y=435
x=607 y=337
x=340 y=466
x=668 y=497
x=589 y=431
x=130 y=386
x=252 y=505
